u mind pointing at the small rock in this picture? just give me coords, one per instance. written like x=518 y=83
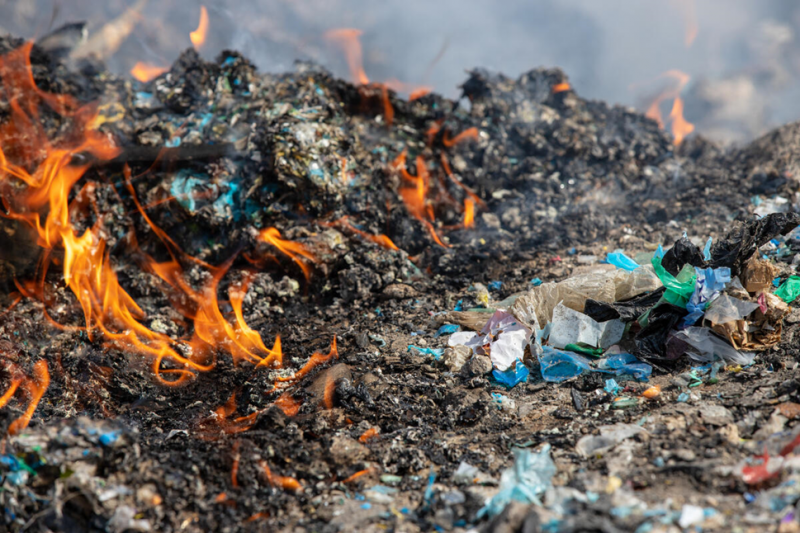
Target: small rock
x=455 y=357
x=684 y=455
x=479 y=365
x=716 y=415
x=399 y=291
x=346 y=451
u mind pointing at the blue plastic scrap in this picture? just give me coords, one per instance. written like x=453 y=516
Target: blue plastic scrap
x=528 y=479
x=710 y=282
x=536 y=282
x=707 y=249
x=459 y=306
x=428 y=497
x=495 y=285
x=107 y=439
x=447 y=329
x=620 y=260
x=513 y=376
x=626 y=365
x=558 y=366
x=612 y=387
x=437 y=353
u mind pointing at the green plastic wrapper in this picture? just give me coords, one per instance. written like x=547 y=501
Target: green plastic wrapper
x=680 y=288
x=789 y=289
x=585 y=350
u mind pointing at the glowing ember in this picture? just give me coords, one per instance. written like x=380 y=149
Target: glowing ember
x=358 y=474
x=415 y=194
x=280 y=482
x=561 y=87
x=348 y=40
x=469 y=213
x=198 y=36
x=679 y=126
x=329 y=392
x=145 y=72
x=293 y=250
x=288 y=404
x=368 y=434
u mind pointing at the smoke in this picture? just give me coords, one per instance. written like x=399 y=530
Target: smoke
x=743 y=60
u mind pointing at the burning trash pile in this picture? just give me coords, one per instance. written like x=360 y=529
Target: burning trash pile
x=235 y=301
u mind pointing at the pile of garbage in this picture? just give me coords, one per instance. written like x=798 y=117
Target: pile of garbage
x=716 y=306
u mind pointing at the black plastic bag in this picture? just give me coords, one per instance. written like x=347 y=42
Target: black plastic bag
x=682 y=253
x=627 y=311
x=651 y=341
x=746 y=235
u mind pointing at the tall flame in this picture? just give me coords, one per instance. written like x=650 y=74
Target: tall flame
x=293 y=250
x=679 y=126
x=415 y=193
x=348 y=40
x=110 y=313
x=198 y=36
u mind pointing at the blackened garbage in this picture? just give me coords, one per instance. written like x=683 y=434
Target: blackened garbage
x=746 y=235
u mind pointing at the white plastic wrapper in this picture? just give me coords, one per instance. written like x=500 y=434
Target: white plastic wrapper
x=572 y=327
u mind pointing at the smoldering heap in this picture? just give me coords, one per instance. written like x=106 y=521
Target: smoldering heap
x=159 y=234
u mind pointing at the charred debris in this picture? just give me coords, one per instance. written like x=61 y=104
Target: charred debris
x=282 y=301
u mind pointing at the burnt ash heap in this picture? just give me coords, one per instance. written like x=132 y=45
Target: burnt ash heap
x=251 y=150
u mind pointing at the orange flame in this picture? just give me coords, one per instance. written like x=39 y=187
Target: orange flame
x=449 y=172
x=36 y=388
x=198 y=36
x=414 y=196
x=380 y=240
x=414 y=91
x=294 y=250
x=689 y=13
x=87 y=269
x=145 y=72
x=329 y=392
x=679 y=126
x=561 y=87
x=281 y=482
x=348 y=40
x=469 y=213
x=316 y=359
x=469 y=133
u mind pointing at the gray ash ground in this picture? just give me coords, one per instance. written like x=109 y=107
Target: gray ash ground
x=111 y=450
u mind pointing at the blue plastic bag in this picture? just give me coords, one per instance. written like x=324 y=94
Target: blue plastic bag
x=437 y=353
x=513 y=376
x=529 y=478
x=447 y=329
x=558 y=366
x=626 y=364
x=620 y=260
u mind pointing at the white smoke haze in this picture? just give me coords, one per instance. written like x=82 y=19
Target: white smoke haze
x=743 y=63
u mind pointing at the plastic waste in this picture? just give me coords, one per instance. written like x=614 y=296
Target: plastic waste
x=624 y=402
x=509 y=339
x=481 y=294
x=746 y=235
x=762 y=328
x=465 y=473
x=652 y=392
x=503 y=402
x=626 y=365
x=709 y=282
x=527 y=480
x=455 y=357
x=682 y=253
x=536 y=282
x=495 y=285
x=651 y=341
x=678 y=288
x=789 y=290
x=620 y=260
x=572 y=327
x=513 y=376
x=707 y=249
x=535 y=308
x=778 y=204
x=584 y=350
x=435 y=352
x=447 y=329
x=627 y=311
x=609 y=437
x=706 y=347
x=612 y=387
x=557 y=366
x=726 y=308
